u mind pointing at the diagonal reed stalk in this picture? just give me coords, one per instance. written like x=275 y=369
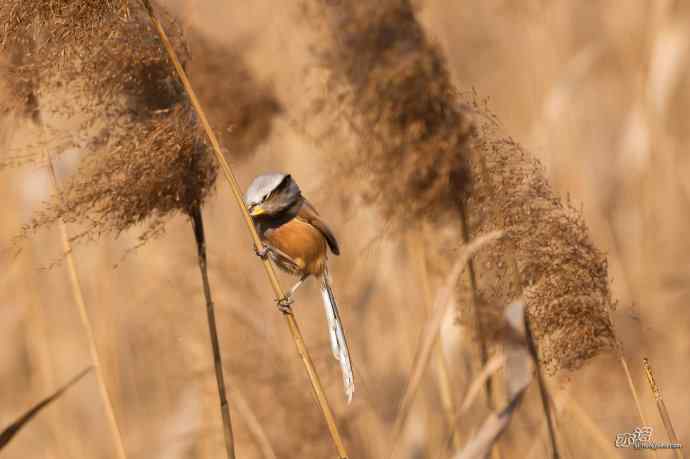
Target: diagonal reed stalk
x=433 y=326
x=661 y=406
x=86 y=323
x=476 y=387
x=78 y=296
x=444 y=382
x=200 y=238
x=270 y=272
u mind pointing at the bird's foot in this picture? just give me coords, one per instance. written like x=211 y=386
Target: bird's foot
x=262 y=252
x=285 y=304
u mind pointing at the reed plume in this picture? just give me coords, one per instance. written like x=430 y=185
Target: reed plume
x=143 y=155
x=431 y=153
x=397 y=88
x=142 y=159
x=547 y=254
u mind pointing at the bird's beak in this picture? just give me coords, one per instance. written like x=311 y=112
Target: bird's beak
x=256 y=211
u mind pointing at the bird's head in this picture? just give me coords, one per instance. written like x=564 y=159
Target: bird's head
x=272 y=194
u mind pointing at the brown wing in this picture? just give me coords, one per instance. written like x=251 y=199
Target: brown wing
x=309 y=214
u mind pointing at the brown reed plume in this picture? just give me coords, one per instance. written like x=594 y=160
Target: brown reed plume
x=399 y=88
x=435 y=153
x=547 y=255
x=144 y=159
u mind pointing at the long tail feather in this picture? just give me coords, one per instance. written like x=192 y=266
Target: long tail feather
x=337 y=334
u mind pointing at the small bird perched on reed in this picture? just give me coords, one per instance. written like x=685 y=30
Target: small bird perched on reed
x=297 y=241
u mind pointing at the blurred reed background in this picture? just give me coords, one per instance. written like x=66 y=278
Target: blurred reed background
x=597 y=91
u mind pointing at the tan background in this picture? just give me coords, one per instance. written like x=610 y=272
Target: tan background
x=599 y=91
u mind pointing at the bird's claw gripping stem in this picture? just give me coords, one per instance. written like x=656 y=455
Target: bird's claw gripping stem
x=261 y=252
x=285 y=304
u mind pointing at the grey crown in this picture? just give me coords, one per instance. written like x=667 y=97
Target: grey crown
x=262 y=187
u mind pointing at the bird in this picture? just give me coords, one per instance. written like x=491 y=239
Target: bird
x=297 y=240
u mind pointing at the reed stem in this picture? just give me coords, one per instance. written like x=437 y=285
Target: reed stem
x=444 y=382
x=543 y=392
x=544 y=395
x=268 y=267
x=78 y=296
x=661 y=406
x=483 y=350
x=86 y=323
x=200 y=237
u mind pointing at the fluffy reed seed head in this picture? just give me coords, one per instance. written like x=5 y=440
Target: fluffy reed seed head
x=422 y=151
x=547 y=254
x=402 y=103
x=144 y=157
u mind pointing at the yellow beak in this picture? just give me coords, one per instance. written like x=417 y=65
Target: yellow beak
x=256 y=211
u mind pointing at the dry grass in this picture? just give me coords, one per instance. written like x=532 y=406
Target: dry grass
x=595 y=92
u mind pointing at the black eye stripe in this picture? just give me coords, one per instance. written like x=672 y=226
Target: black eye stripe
x=279 y=187
x=283 y=182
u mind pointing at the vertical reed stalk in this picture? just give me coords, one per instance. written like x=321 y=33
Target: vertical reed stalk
x=565 y=403
x=661 y=406
x=479 y=329
x=447 y=399
x=200 y=237
x=78 y=296
x=543 y=392
x=544 y=395
x=270 y=272
x=86 y=323
x=483 y=352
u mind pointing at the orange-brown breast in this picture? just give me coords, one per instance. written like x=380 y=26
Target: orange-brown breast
x=303 y=243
